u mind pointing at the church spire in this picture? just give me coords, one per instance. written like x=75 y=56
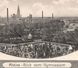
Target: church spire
x=18 y=12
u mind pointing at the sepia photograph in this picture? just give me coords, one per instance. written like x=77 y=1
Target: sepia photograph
x=38 y=29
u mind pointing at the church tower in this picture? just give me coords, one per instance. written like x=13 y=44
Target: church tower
x=18 y=12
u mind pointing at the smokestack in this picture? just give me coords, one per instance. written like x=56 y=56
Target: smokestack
x=7 y=15
x=52 y=16
x=42 y=14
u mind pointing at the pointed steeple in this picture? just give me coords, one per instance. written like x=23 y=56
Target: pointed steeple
x=18 y=12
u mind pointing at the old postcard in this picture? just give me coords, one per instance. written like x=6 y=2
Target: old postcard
x=38 y=33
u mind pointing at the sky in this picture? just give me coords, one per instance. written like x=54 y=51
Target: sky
x=35 y=7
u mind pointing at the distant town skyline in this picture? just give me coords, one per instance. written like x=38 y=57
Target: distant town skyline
x=35 y=7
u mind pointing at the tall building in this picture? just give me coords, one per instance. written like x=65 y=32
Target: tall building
x=30 y=18
x=18 y=12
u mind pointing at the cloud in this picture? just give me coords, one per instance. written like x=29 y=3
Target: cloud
x=66 y=3
x=3 y=5
x=37 y=9
x=58 y=7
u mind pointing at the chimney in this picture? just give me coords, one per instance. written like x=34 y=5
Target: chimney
x=52 y=16
x=7 y=15
x=42 y=14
